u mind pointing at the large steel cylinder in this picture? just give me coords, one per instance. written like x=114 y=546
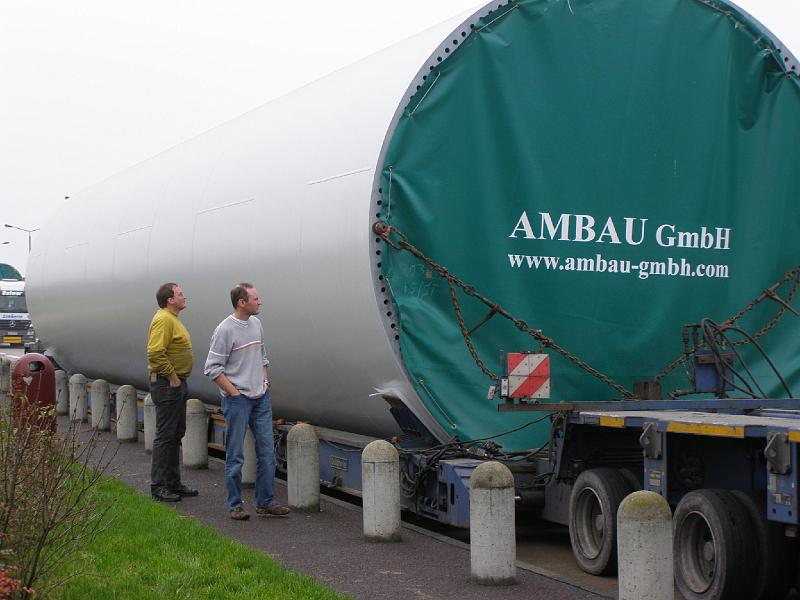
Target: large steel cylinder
x=605 y=171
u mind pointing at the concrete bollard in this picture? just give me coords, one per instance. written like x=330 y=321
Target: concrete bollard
x=149 y=423
x=195 y=441
x=644 y=548
x=62 y=392
x=101 y=406
x=302 y=468
x=493 y=547
x=78 y=407
x=249 y=466
x=5 y=375
x=380 y=480
x=127 y=430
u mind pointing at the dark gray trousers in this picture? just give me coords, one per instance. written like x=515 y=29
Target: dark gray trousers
x=170 y=404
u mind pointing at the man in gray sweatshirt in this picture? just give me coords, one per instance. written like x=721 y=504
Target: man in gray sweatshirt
x=237 y=363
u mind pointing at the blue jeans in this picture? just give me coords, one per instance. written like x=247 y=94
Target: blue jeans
x=240 y=411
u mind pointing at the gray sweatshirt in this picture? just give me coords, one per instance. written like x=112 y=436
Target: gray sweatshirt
x=237 y=349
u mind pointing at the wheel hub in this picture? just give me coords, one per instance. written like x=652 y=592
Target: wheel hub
x=708 y=551
x=697 y=552
x=598 y=523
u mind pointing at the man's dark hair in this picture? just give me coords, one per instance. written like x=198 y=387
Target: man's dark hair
x=164 y=293
x=239 y=292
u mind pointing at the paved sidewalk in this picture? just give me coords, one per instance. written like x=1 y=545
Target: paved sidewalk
x=328 y=545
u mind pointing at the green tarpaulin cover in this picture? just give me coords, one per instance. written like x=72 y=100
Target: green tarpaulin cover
x=606 y=170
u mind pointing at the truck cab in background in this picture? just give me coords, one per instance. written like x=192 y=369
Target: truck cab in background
x=15 y=322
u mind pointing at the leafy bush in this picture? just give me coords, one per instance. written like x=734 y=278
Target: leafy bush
x=47 y=486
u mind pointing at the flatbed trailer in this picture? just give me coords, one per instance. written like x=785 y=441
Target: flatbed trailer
x=727 y=467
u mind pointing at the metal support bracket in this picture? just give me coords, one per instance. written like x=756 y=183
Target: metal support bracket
x=651 y=441
x=777 y=453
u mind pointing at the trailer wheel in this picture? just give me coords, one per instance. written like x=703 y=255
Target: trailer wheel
x=776 y=556
x=713 y=547
x=593 y=505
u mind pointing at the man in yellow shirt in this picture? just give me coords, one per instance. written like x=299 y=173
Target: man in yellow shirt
x=169 y=360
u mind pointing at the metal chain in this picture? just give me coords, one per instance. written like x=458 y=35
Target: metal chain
x=793 y=273
x=673 y=365
x=383 y=230
x=768 y=293
x=465 y=333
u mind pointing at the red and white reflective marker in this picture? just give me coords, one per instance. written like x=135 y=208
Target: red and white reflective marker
x=528 y=375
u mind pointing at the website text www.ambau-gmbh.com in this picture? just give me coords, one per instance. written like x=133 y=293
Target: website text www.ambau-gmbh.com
x=671 y=267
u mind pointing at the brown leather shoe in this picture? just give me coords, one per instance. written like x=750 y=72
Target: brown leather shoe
x=239 y=514
x=276 y=510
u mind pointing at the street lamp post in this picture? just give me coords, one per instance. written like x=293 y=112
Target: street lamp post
x=28 y=231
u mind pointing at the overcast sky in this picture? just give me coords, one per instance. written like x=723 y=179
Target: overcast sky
x=91 y=87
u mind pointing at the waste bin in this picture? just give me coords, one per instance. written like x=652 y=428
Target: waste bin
x=33 y=387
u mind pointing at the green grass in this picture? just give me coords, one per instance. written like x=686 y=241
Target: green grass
x=150 y=551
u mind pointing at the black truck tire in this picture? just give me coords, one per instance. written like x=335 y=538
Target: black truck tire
x=714 y=547
x=593 y=505
x=776 y=555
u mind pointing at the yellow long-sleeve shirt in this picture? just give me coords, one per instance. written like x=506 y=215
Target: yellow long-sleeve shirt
x=169 y=347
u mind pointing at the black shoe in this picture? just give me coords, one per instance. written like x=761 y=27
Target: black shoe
x=164 y=495
x=184 y=491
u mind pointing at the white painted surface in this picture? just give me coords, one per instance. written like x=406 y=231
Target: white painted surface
x=280 y=197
